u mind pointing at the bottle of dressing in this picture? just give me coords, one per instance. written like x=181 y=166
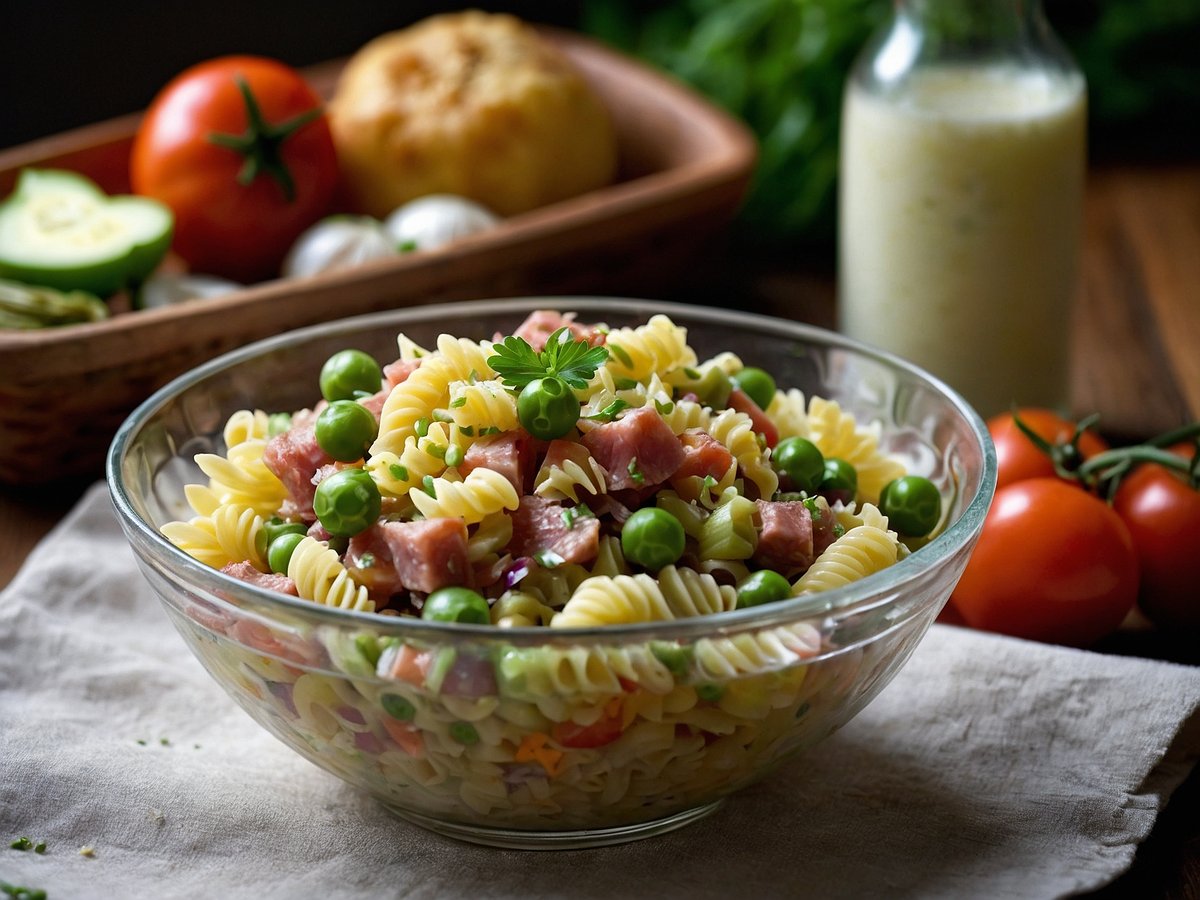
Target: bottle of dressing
x=963 y=156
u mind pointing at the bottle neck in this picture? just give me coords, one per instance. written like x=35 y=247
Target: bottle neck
x=972 y=24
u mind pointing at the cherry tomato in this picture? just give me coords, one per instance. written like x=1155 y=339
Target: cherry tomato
x=240 y=151
x=1162 y=513
x=1017 y=458
x=1053 y=563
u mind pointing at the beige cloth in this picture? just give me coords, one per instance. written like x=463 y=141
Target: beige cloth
x=990 y=767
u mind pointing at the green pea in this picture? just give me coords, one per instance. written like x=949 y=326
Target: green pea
x=347 y=502
x=456 y=604
x=279 y=553
x=345 y=430
x=756 y=384
x=912 y=504
x=652 y=538
x=398 y=707
x=464 y=733
x=276 y=526
x=678 y=659
x=801 y=461
x=763 y=586
x=548 y=408
x=278 y=423
x=839 y=476
x=348 y=372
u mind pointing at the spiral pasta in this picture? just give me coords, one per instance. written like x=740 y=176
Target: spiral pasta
x=482 y=493
x=654 y=348
x=837 y=433
x=243 y=478
x=484 y=404
x=245 y=425
x=859 y=552
x=622 y=599
x=578 y=471
x=320 y=576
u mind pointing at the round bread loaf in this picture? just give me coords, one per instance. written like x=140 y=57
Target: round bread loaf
x=472 y=104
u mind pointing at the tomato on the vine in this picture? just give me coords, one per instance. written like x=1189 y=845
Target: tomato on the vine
x=1162 y=512
x=240 y=150
x=1018 y=458
x=1053 y=563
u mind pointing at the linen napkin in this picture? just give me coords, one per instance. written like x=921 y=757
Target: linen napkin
x=989 y=767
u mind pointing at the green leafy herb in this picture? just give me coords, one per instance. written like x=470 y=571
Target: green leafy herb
x=620 y=353
x=573 y=514
x=406 y=246
x=634 y=472
x=575 y=362
x=467 y=430
x=488 y=430
x=437 y=451
x=610 y=412
x=21 y=893
x=399 y=472
x=428 y=486
x=626 y=384
x=458 y=402
x=21 y=843
x=367 y=560
x=441 y=415
x=421 y=427
x=548 y=559
x=664 y=409
x=454 y=455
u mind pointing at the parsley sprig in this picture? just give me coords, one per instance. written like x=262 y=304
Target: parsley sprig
x=575 y=362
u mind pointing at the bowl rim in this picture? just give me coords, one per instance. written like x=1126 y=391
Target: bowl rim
x=838 y=603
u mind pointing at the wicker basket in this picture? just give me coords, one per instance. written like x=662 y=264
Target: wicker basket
x=685 y=169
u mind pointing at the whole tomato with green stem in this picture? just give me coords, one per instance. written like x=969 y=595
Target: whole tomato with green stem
x=1160 y=504
x=1059 y=442
x=240 y=150
x=1053 y=563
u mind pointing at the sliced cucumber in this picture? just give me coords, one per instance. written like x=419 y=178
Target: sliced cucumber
x=60 y=230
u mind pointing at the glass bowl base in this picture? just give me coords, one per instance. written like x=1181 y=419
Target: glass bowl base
x=581 y=839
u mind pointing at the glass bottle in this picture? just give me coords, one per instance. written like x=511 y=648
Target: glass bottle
x=962 y=169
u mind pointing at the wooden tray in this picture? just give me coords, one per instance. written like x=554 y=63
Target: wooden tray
x=685 y=167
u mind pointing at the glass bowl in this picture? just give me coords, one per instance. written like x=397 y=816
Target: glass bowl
x=468 y=747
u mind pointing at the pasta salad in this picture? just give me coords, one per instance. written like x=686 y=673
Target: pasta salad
x=565 y=476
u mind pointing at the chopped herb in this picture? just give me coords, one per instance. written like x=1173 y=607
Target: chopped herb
x=454 y=455
x=406 y=246
x=691 y=373
x=635 y=473
x=21 y=843
x=458 y=402
x=440 y=415
x=421 y=427
x=664 y=409
x=762 y=440
x=21 y=893
x=472 y=377
x=490 y=429
x=437 y=451
x=141 y=743
x=39 y=847
x=709 y=482
x=517 y=363
x=610 y=412
x=626 y=384
x=838 y=530
x=710 y=692
x=813 y=507
x=367 y=560
x=429 y=487
x=548 y=559
x=399 y=472
x=164 y=742
x=467 y=430
x=278 y=423
x=573 y=514
x=620 y=353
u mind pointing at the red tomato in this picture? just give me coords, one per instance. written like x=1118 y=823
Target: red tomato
x=1017 y=458
x=237 y=210
x=1053 y=563
x=1162 y=513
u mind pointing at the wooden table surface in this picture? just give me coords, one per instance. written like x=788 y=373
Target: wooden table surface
x=1136 y=362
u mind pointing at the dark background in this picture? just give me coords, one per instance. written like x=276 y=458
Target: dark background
x=65 y=63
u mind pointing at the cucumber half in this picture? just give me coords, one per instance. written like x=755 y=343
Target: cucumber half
x=60 y=230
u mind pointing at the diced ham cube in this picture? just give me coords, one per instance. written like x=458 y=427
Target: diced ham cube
x=542 y=323
x=740 y=401
x=785 y=543
x=398 y=371
x=429 y=554
x=539 y=525
x=243 y=571
x=375 y=402
x=638 y=450
x=470 y=676
x=506 y=453
x=369 y=560
x=703 y=456
x=294 y=457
